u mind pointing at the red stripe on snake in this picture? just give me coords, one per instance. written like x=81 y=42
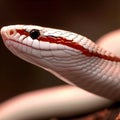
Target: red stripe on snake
x=72 y=44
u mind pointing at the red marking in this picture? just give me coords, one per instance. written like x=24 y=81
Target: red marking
x=63 y=41
x=70 y=43
x=22 y=32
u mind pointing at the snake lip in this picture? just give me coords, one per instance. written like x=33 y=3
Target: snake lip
x=15 y=41
x=23 y=44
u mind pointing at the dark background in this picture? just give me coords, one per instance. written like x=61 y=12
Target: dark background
x=91 y=18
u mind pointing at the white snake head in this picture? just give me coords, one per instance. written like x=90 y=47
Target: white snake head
x=39 y=45
x=51 y=49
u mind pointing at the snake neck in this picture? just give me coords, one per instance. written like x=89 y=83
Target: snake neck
x=96 y=75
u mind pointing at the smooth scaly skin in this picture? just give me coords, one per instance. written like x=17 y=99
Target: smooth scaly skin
x=81 y=100
x=96 y=70
x=52 y=102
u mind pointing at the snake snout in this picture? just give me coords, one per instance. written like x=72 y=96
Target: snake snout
x=8 y=32
x=4 y=33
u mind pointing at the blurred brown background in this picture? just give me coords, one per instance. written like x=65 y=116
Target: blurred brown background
x=91 y=18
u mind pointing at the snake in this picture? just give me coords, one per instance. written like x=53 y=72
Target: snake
x=69 y=56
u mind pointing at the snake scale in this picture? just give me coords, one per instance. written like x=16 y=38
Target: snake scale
x=71 y=57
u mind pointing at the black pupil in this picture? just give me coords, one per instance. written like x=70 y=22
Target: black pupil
x=34 y=34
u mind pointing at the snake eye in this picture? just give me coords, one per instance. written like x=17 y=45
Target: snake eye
x=34 y=34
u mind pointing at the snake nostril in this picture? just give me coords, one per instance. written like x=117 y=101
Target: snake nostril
x=11 y=32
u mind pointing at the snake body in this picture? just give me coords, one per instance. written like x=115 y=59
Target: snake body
x=71 y=57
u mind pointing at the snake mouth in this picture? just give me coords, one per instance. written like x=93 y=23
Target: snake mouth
x=9 y=40
x=5 y=33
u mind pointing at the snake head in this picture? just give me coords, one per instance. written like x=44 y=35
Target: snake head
x=37 y=44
